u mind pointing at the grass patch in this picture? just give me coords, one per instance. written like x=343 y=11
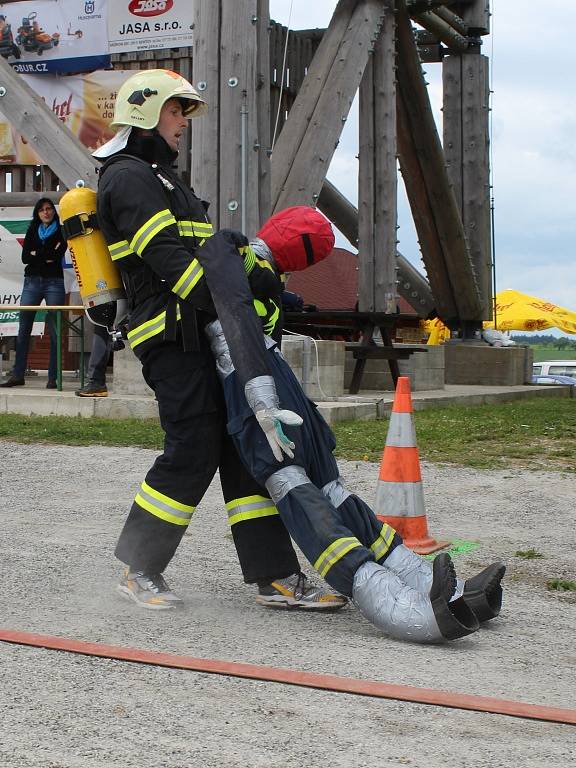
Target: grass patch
x=528 y=554
x=561 y=585
x=542 y=354
x=74 y=430
x=528 y=434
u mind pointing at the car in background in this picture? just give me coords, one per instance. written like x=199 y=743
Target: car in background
x=555 y=368
x=556 y=379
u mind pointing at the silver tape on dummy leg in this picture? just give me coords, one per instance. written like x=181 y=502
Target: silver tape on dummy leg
x=285 y=480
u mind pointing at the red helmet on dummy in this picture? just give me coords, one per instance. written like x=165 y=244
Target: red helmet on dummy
x=298 y=237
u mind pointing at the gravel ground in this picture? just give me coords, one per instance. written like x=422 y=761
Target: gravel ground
x=61 y=513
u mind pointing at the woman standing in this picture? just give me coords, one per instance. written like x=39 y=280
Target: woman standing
x=44 y=246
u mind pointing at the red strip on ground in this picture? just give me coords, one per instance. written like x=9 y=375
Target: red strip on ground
x=292 y=677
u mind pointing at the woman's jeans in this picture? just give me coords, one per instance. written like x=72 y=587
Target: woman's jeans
x=34 y=290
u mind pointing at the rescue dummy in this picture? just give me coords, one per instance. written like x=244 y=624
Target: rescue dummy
x=160 y=238
x=400 y=592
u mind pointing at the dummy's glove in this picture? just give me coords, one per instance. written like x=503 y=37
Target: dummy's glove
x=263 y=399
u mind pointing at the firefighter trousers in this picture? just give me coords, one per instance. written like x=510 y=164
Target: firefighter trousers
x=335 y=529
x=196 y=444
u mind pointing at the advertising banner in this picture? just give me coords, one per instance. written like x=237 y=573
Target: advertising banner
x=55 y=36
x=13 y=225
x=145 y=25
x=84 y=102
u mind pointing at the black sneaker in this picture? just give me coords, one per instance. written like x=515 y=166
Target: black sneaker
x=13 y=382
x=92 y=390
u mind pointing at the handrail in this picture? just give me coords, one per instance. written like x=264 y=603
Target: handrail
x=15 y=307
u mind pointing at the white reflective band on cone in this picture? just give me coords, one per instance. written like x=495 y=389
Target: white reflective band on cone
x=400 y=499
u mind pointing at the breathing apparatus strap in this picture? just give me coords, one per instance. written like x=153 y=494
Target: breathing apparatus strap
x=79 y=224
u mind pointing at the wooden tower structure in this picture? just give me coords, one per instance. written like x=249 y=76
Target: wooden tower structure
x=376 y=47
x=370 y=46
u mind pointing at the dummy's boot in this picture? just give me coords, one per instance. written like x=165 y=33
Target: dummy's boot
x=403 y=612
x=482 y=593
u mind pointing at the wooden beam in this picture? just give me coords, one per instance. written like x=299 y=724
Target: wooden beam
x=336 y=207
x=310 y=136
x=377 y=185
x=25 y=199
x=226 y=151
x=442 y=30
x=424 y=220
x=49 y=137
x=476 y=14
x=411 y=284
x=466 y=147
x=206 y=130
x=418 y=6
x=239 y=167
x=262 y=147
x=451 y=18
x=292 y=135
x=446 y=256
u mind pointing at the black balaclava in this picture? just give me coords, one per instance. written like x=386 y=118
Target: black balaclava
x=150 y=147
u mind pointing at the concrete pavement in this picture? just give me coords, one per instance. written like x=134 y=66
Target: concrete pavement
x=34 y=398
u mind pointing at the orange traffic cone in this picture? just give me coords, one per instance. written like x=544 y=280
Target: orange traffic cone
x=400 y=496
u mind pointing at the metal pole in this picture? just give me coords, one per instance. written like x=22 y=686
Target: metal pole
x=307 y=365
x=244 y=159
x=59 y=349
x=82 y=351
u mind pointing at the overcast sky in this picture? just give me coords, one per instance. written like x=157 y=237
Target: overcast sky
x=533 y=125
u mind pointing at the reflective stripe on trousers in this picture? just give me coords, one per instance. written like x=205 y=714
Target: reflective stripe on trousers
x=162 y=506
x=249 y=508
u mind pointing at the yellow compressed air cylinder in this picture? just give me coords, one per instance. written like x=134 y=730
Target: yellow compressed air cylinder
x=98 y=277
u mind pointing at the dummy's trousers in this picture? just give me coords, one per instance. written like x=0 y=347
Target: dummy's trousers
x=335 y=529
x=196 y=444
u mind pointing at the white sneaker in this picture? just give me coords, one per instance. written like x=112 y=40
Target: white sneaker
x=148 y=590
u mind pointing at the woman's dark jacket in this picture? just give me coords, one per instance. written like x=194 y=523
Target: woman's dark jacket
x=43 y=258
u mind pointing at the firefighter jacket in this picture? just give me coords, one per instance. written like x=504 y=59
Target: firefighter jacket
x=177 y=276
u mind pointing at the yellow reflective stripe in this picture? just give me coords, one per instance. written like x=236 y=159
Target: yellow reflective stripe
x=155 y=224
x=260 y=308
x=249 y=508
x=203 y=227
x=195 y=228
x=162 y=506
x=249 y=258
x=334 y=553
x=150 y=328
x=265 y=264
x=270 y=324
x=382 y=544
x=146 y=330
x=119 y=250
x=185 y=229
x=189 y=279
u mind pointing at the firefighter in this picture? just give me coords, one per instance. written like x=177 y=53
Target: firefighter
x=400 y=592
x=174 y=271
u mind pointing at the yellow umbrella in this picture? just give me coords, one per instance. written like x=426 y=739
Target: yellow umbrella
x=437 y=330
x=517 y=311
